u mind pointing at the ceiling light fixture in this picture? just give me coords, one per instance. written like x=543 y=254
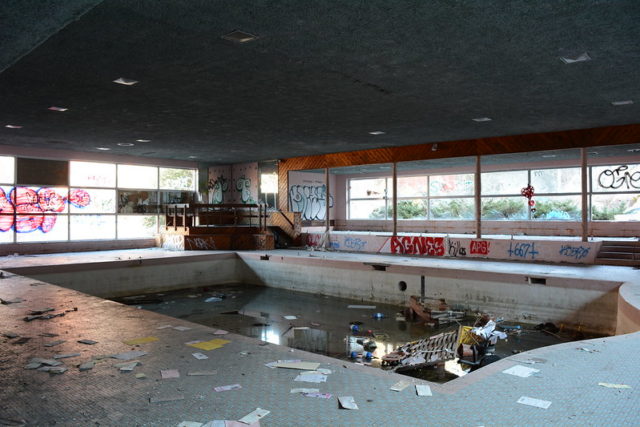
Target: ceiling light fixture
x=52 y=108
x=573 y=58
x=549 y=156
x=103 y=148
x=625 y=102
x=377 y=132
x=239 y=36
x=193 y=157
x=593 y=153
x=634 y=150
x=143 y=140
x=482 y=119
x=126 y=144
x=13 y=126
x=126 y=82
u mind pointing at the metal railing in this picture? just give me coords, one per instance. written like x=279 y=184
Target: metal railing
x=190 y=215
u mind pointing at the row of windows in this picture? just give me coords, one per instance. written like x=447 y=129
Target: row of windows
x=612 y=195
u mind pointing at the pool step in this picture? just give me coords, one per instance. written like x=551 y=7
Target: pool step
x=626 y=253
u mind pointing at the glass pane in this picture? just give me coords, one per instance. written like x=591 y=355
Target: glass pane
x=452 y=208
x=367 y=188
x=616 y=178
x=411 y=186
x=172 y=197
x=618 y=207
x=177 y=179
x=367 y=209
x=91 y=227
x=557 y=208
x=138 y=202
x=497 y=183
x=411 y=209
x=501 y=208
x=6 y=231
x=87 y=174
x=451 y=185
x=7 y=171
x=135 y=226
x=566 y=180
x=92 y=201
x=34 y=226
x=43 y=199
x=131 y=176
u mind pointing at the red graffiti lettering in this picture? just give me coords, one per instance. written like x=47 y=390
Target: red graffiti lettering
x=417 y=245
x=313 y=239
x=480 y=247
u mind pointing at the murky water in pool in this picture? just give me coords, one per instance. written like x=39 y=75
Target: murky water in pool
x=321 y=323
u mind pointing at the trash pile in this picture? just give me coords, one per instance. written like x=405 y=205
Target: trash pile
x=434 y=311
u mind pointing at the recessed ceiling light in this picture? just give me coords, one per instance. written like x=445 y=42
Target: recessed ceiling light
x=482 y=119
x=634 y=150
x=143 y=140
x=13 y=126
x=193 y=157
x=377 y=132
x=573 y=58
x=103 y=148
x=126 y=144
x=625 y=102
x=126 y=82
x=548 y=156
x=239 y=36
x=52 y=108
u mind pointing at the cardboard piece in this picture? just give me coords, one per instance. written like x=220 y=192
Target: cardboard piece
x=530 y=401
x=142 y=340
x=400 y=385
x=254 y=416
x=210 y=345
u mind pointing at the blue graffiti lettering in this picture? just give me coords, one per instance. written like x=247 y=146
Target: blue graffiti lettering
x=577 y=252
x=354 y=243
x=522 y=250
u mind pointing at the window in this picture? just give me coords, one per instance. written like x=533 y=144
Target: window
x=85 y=174
x=615 y=194
x=93 y=227
x=368 y=199
x=177 y=179
x=7 y=170
x=142 y=177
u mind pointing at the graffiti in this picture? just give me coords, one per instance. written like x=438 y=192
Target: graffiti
x=199 y=243
x=522 y=250
x=614 y=178
x=334 y=245
x=310 y=200
x=173 y=243
x=354 y=243
x=30 y=210
x=480 y=247
x=219 y=186
x=456 y=249
x=313 y=239
x=417 y=245
x=577 y=252
x=243 y=185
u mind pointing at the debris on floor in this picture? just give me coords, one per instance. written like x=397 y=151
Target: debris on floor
x=400 y=385
x=11 y=301
x=318 y=395
x=143 y=340
x=53 y=369
x=86 y=366
x=429 y=351
x=209 y=345
x=365 y=307
x=55 y=343
x=213 y=299
x=10 y=335
x=166 y=398
x=304 y=390
x=200 y=356
x=201 y=373
x=423 y=390
x=127 y=366
x=290 y=317
x=530 y=401
x=520 y=371
x=181 y=328
x=433 y=311
x=347 y=402
x=305 y=366
x=88 y=342
x=311 y=378
x=169 y=373
x=227 y=387
x=128 y=355
x=219 y=332
x=610 y=385
x=254 y=416
x=66 y=355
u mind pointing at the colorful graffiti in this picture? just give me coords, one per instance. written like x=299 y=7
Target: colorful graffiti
x=456 y=248
x=354 y=243
x=576 y=252
x=417 y=245
x=218 y=187
x=243 y=185
x=310 y=201
x=479 y=247
x=28 y=210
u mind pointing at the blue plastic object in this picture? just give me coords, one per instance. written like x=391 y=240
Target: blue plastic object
x=378 y=315
x=355 y=329
x=368 y=355
x=354 y=355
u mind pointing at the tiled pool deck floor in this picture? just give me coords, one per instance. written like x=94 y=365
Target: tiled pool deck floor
x=568 y=375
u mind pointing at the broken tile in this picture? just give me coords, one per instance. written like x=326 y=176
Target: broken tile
x=140 y=376
x=347 y=402
x=254 y=416
x=520 y=371
x=66 y=355
x=87 y=366
x=128 y=355
x=530 y=401
x=227 y=387
x=423 y=390
x=33 y=366
x=88 y=342
x=400 y=385
x=48 y=334
x=305 y=366
x=54 y=343
x=201 y=373
x=166 y=398
x=49 y=362
x=143 y=340
x=127 y=366
x=169 y=373
x=53 y=369
x=10 y=335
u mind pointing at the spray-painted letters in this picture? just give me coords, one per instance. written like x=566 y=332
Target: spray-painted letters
x=577 y=252
x=310 y=200
x=243 y=185
x=218 y=186
x=614 y=178
x=417 y=245
x=354 y=243
x=522 y=250
x=480 y=247
x=456 y=248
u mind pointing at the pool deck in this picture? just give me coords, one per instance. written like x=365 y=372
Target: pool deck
x=569 y=374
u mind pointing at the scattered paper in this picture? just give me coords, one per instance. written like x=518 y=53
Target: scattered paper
x=166 y=398
x=181 y=328
x=210 y=345
x=318 y=395
x=304 y=390
x=189 y=424
x=169 y=373
x=311 y=378
x=400 y=385
x=201 y=373
x=200 y=356
x=164 y=327
x=219 y=332
x=227 y=387
x=520 y=371
x=88 y=342
x=54 y=343
x=347 y=402
x=142 y=340
x=423 y=390
x=305 y=366
x=587 y=350
x=272 y=365
x=86 y=366
x=290 y=317
x=66 y=356
x=538 y=403
x=609 y=385
x=362 y=306
x=254 y=416
x=128 y=355
x=324 y=371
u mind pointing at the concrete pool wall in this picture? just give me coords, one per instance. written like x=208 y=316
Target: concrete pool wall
x=519 y=292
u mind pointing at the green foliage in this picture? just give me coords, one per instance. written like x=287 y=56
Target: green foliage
x=556 y=209
x=453 y=209
x=608 y=212
x=503 y=209
x=407 y=209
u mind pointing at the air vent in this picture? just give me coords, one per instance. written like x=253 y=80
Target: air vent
x=238 y=36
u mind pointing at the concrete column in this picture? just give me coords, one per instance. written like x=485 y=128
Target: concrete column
x=327 y=206
x=585 y=200
x=477 y=189
x=395 y=198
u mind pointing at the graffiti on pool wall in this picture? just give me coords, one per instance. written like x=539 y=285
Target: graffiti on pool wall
x=218 y=187
x=243 y=185
x=479 y=247
x=522 y=250
x=310 y=201
x=577 y=252
x=27 y=210
x=354 y=243
x=417 y=245
x=456 y=248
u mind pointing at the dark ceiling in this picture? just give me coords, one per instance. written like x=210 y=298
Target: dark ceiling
x=320 y=76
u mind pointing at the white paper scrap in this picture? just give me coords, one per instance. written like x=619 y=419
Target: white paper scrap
x=227 y=387
x=200 y=356
x=609 y=385
x=181 y=328
x=190 y=424
x=254 y=416
x=538 y=403
x=520 y=371
x=169 y=373
x=400 y=385
x=305 y=366
x=324 y=371
x=347 y=402
x=128 y=355
x=304 y=390
x=290 y=317
x=423 y=390
x=311 y=378
x=362 y=306
x=318 y=395
x=272 y=365
x=164 y=327
x=219 y=332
